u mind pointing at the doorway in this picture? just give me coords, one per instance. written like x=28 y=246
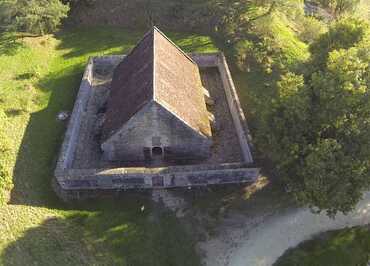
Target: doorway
x=157 y=152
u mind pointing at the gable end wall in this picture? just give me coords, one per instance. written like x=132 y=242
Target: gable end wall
x=153 y=126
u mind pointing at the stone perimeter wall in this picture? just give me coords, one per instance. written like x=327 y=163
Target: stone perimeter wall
x=68 y=148
x=175 y=176
x=218 y=60
x=71 y=136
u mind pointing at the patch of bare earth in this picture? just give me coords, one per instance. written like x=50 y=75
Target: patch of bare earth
x=260 y=238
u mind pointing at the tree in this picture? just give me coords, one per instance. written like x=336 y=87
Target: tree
x=339 y=7
x=343 y=34
x=311 y=29
x=32 y=16
x=317 y=131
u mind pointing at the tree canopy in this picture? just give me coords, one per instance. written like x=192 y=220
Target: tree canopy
x=32 y=16
x=339 y=7
x=317 y=131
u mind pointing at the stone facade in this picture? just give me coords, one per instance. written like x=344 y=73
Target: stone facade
x=155 y=127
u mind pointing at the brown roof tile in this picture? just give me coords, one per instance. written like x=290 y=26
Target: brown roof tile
x=132 y=86
x=178 y=86
x=156 y=69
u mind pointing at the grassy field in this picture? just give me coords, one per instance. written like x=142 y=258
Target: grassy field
x=39 y=78
x=346 y=247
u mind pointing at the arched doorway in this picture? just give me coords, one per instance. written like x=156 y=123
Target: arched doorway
x=157 y=152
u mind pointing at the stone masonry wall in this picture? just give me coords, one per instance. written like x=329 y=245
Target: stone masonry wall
x=122 y=178
x=72 y=133
x=154 y=126
x=237 y=113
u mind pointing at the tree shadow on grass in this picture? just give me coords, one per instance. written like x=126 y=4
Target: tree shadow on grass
x=114 y=232
x=38 y=151
x=9 y=44
x=114 y=40
x=193 y=43
x=44 y=134
x=100 y=41
x=48 y=244
x=264 y=195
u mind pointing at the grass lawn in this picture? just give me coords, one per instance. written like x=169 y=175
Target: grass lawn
x=40 y=77
x=346 y=247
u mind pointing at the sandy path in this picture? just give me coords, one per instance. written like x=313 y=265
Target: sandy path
x=259 y=241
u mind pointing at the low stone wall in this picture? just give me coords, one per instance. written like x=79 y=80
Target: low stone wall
x=120 y=178
x=71 y=136
x=105 y=64
x=69 y=179
x=67 y=152
x=206 y=59
x=237 y=113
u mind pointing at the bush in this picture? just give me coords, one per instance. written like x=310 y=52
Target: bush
x=244 y=54
x=271 y=44
x=32 y=16
x=343 y=34
x=311 y=29
x=344 y=247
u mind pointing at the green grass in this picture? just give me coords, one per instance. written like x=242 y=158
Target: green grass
x=284 y=36
x=40 y=77
x=346 y=247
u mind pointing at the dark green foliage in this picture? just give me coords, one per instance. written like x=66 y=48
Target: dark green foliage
x=260 y=33
x=346 y=247
x=256 y=31
x=311 y=29
x=32 y=16
x=338 y=7
x=343 y=34
x=317 y=129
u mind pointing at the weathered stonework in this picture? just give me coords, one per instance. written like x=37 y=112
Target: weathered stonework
x=98 y=176
x=155 y=126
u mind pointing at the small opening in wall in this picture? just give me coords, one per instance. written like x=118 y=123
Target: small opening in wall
x=157 y=151
x=147 y=155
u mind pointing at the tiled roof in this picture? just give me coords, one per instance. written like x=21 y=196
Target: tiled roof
x=156 y=69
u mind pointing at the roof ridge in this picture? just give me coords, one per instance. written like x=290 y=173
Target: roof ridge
x=138 y=42
x=174 y=44
x=154 y=68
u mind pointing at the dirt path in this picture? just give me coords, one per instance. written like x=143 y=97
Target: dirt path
x=259 y=241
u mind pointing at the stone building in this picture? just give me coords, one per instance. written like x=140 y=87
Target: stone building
x=156 y=108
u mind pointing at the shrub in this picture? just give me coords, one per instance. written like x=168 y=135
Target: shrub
x=243 y=52
x=32 y=16
x=343 y=34
x=311 y=29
